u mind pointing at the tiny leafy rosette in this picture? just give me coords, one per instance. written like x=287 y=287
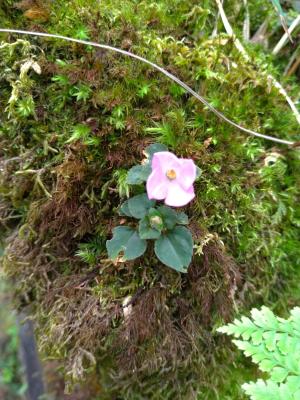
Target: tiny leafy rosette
x=168 y=178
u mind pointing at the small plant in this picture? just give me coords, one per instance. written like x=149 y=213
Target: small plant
x=62 y=80
x=26 y=107
x=274 y=344
x=117 y=118
x=90 y=251
x=82 y=33
x=122 y=185
x=81 y=92
x=143 y=90
x=172 y=130
x=21 y=103
x=169 y=179
x=83 y=132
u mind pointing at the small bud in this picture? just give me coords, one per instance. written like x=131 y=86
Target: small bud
x=156 y=222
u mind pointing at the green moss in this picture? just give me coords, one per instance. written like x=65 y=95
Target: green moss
x=67 y=138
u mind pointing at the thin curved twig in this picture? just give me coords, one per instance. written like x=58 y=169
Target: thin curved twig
x=282 y=42
x=160 y=69
x=246 y=26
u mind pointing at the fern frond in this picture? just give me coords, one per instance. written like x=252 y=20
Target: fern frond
x=274 y=344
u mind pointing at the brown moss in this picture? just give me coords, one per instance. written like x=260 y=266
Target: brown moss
x=214 y=277
x=65 y=215
x=6 y=214
x=150 y=319
x=55 y=384
x=79 y=317
x=128 y=149
x=85 y=310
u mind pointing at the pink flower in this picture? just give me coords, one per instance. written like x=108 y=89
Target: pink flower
x=171 y=179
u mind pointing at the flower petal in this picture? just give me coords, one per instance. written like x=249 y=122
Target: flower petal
x=188 y=173
x=177 y=196
x=157 y=185
x=165 y=160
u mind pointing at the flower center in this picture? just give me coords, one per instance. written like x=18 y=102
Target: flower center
x=171 y=174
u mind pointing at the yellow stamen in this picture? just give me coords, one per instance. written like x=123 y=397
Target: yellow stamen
x=171 y=174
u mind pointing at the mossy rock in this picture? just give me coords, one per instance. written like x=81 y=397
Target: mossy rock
x=76 y=119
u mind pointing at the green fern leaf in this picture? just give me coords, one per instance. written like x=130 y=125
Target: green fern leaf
x=274 y=344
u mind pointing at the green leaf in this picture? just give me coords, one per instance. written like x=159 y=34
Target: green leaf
x=283 y=343
x=295 y=319
x=258 y=357
x=257 y=337
x=140 y=205
x=182 y=218
x=279 y=374
x=262 y=390
x=124 y=210
x=270 y=340
x=264 y=318
x=267 y=365
x=171 y=217
x=138 y=174
x=175 y=249
x=154 y=148
x=292 y=363
x=127 y=241
x=293 y=382
x=198 y=172
x=146 y=231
